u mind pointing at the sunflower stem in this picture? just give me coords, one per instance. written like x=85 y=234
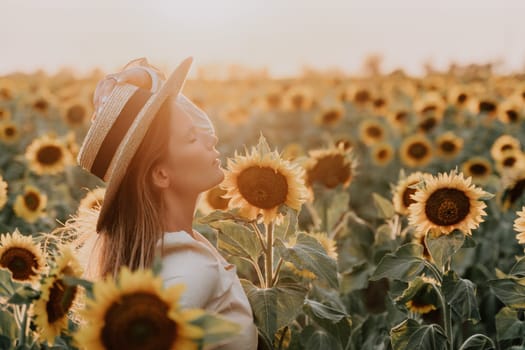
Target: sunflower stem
x=269 y=255
x=447 y=317
x=259 y=236
x=277 y=271
x=23 y=327
x=257 y=269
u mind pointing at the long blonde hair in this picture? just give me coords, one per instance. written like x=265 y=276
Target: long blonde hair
x=133 y=226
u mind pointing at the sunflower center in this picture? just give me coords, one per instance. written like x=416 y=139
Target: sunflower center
x=407 y=196
x=447 y=206
x=506 y=147
x=330 y=170
x=216 y=200
x=138 y=321
x=41 y=105
x=401 y=116
x=362 y=96
x=330 y=117
x=382 y=154
x=487 y=106
x=378 y=103
x=49 y=155
x=417 y=150
x=512 y=115
x=509 y=161
x=298 y=100
x=20 y=262
x=263 y=187
x=10 y=131
x=428 y=124
x=517 y=190
x=76 y=114
x=60 y=300
x=32 y=200
x=374 y=132
x=429 y=109
x=462 y=98
x=478 y=169
x=448 y=146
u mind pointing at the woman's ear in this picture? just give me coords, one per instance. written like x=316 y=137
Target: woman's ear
x=160 y=177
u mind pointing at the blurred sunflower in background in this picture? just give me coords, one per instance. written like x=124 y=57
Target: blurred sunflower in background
x=510 y=111
x=5 y=114
x=9 y=132
x=261 y=181
x=134 y=312
x=330 y=115
x=48 y=155
x=42 y=101
x=416 y=151
x=510 y=160
x=329 y=167
x=478 y=168
x=513 y=183
x=57 y=298
x=93 y=199
x=458 y=96
x=371 y=131
x=292 y=151
x=382 y=153
x=448 y=145
x=420 y=296
x=298 y=98
x=213 y=200
x=502 y=144
x=76 y=112
x=21 y=256
x=31 y=204
x=447 y=202
x=404 y=189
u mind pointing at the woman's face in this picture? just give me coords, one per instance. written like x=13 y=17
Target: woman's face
x=191 y=162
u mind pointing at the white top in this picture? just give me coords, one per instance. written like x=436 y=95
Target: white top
x=211 y=283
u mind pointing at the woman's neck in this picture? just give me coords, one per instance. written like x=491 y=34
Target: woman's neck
x=178 y=213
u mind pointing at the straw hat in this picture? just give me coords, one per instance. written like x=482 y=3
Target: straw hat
x=120 y=125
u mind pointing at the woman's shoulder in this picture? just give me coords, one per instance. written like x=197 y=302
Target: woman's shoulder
x=181 y=245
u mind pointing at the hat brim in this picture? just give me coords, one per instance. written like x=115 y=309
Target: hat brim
x=135 y=135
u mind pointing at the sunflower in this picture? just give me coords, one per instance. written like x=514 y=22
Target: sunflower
x=330 y=167
x=292 y=151
x=430 y=104
x=519 y=225
x=298 y=98
x=9 y=132
x=510 y=160
x=404 y=189
x=399 y=117
x=359 y=95
x=420 y=239
x=371 y=132
x=479 y=168
x=422 y=296
x=416 y=151
x=42 y=101
x=272 y=98
x=57 y=298
x=20 y=255
x=448 y=145
x=7 y=89
x=510 y=111
x=48 y=155
x=502 y=144
x=76 y=113
x=260 y=182
x=93 y=199
x=485 y=104
x=3 y=192
x=458 y=96
x=31 y=204
x=70 y=141
x=137 y=313
x=446 y=203
x=382 y=153
x=213 y=200
x=330 y=115
x=513 y=183
x=235 y=115
x=380 y=105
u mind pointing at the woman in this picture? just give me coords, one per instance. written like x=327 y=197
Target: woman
x=156 y=151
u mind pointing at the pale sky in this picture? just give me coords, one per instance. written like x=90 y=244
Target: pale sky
x=283 y=35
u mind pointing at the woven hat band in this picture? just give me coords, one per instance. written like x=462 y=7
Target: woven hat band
x=117 y=132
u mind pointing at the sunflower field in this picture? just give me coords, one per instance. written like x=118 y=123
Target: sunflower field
x=372 y=212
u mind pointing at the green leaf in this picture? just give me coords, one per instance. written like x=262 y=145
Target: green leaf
x=508 y=325
x=216 y=328
x=519 y=267
x=384 y=207
x=338 y=206
x=274 y=307
x=237 y=240
x=404 y=264
x=219 y=215
x=478 y=342
x=8 y=327
x=7 y=285
x=356 y=278
x=443 y=247
x=309 y=254
x=322 y=311
x=288 y=227
x=320 y=339
x=74 y=281
x=24 y=295
x=411 y=335
x=461 y=296
x=509 y=291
